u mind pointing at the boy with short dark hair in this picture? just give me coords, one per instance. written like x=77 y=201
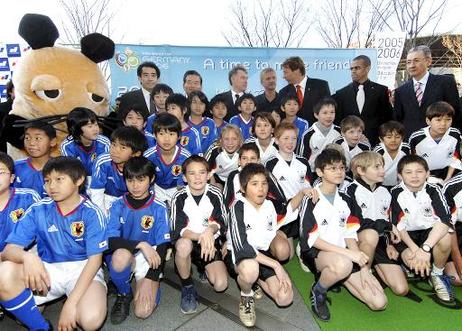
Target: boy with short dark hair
x=177 y=105
x=39 y=140
x=352 y=128
x=107 y=183
x=167 y=156
x=139 y=233
x=421 y=214
x=290 y=106
x=246 y=105
x=376 y=232
x=328 y=240
x=218 y=109
x=321 y=133
x=13 y=201
x=70 y=232
x=392 y=148
x=198 y=219
x=438 y=143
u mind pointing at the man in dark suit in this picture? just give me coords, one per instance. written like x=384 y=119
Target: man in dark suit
x=413 y=97
x=365 y=99
x=148 y=75
x=5 y=108
x=238 y=78
x=308 y=90
x=269 y=99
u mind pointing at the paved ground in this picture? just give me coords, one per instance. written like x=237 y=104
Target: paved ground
x=216 y=312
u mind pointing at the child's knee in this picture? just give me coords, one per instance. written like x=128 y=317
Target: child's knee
x=120 y=259
x=9 y=274
x=341 y=266
x=221 y=284
x=92 y=319
x=281 y=249
x=445 y=243
x=369 y=237
x=144 y=311
x=284 y=298
x=378 y=302
x=183 y=247
x=400 y=288
x=248 y=271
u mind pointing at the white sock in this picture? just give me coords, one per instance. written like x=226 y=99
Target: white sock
x=436 y=270
x=250 y=294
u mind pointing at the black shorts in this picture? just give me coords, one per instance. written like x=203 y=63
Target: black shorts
x=200 y=262
x=264 y=272
x=418 y=237
x=292 y=230
x=381 y=226
x=458 y=229
x=381 y=256
x=309 y=259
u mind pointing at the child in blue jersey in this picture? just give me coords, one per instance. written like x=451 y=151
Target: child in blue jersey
x=290 y=107
x=246 y=104
x=84 y=141
x=107 y=181
x=177 y=105
x=198 y=219
x=167 y=156
x=13 y=201
x=198 y=104
x=136 y=116
x=39 y=140
x=71 y=236
x=159 y=95
x=217 y=107
x=138 y=233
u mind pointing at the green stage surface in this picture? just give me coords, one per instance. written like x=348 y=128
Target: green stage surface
x=402 y=313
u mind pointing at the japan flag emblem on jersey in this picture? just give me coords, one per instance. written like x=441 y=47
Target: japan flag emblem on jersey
x=15 y=215
x=184 y=140
x=77 y=229
x=147 y=222
x=205 y=130
x=176 y=170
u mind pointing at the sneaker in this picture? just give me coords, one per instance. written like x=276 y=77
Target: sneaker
x=111 y=288
x=442 y=286
x=121 y=308
x=302 y=265
x=188 y=299
x=2 y=313
x=247 y=311
x=258 y=292
x=203 y=277
x=319 y=304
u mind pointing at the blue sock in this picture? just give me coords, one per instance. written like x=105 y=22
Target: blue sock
x=121 y=279
x=23 y=307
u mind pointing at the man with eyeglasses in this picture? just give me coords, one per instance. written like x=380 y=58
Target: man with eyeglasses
x=365 y=99
x=421 y=90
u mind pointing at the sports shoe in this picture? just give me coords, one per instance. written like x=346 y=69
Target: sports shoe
x=319 y=304
x=247 y=311
x=203 y=277
x=442 y=286
x=302 y=265
x=188 y=299
x=258 y=292
x=111 y=288
x=169 y=254
x=121 y=308
x=2 y=313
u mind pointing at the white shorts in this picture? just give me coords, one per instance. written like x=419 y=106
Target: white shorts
x=63 y=277
x=163 y=194
x=141 y=267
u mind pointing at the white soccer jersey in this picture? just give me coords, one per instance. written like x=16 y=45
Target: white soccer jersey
x=313 y=142
x=221 y=163
x=452 y=191
x=391 y=165
x=438 y=155
x=251 y=229
x=292 y=178
x=266 y=154
x=330 y=222
x=351 y=152
x=418 y=211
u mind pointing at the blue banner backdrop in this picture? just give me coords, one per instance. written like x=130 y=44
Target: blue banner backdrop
x=214 y=63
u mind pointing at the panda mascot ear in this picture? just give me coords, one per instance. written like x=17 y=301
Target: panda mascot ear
x=97 y=47
x=38 y=30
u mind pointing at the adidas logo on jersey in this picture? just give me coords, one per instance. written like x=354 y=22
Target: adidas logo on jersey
x=424 y=155
x=324 y=222
x=53 y=228
x=406 y=210
x=363 y=205
x=282 y=178
x=248 y=227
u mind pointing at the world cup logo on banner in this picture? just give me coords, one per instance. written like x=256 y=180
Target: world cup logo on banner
x=127 y=60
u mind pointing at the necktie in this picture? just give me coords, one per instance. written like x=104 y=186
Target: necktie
x=418 y=92
x=152 y=105
x=360 y=98
x=237 y=97
x=299 y=95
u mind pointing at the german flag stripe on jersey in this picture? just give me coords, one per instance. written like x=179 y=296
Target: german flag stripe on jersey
x=352 y=221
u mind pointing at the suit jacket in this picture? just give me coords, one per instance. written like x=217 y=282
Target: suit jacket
x=230 y=106
x=376 y=111
x=315 y=90
x=132 y=98
x=5 y=108
x=438 y=88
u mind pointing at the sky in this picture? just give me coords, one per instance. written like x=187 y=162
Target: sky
x=173 y=22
